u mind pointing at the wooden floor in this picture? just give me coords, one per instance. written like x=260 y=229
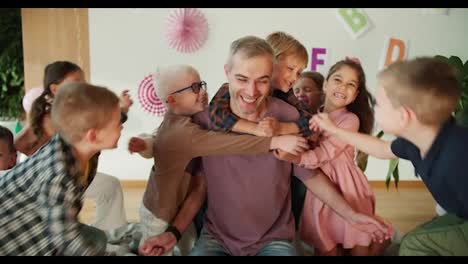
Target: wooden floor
x=405 y=208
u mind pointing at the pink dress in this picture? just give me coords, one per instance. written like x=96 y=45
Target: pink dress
x=320 y=226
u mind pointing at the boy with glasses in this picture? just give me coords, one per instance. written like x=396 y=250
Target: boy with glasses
x=178 y=141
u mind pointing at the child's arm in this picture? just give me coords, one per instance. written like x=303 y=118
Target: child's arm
x=60 y=205
x=125 y=101
x=223 y=118
x=26 y=141
x=206 y=143
x=23 y=141
x=143 y=145
x=160 y=244
x=321 y=186
x=366 y=143
x=302 y=124
x=330 y=147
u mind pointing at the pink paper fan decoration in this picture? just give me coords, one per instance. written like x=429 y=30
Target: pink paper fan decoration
x=187 y=29
x=148 y=98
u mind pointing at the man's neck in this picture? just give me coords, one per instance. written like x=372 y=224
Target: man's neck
x=254 y=117
x=422 y=136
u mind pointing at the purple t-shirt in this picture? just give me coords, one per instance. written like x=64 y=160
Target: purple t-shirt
x=249 y=197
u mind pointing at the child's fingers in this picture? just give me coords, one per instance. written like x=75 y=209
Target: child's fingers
x=303 y=145
x=381 y=227
x=389 y=227
x=157 y=251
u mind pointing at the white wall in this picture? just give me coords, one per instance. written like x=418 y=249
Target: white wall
x=128 y=44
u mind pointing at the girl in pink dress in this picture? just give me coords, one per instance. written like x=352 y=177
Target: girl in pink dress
x=348 y=104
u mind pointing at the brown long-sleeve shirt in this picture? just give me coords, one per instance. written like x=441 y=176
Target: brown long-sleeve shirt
x=176 y=143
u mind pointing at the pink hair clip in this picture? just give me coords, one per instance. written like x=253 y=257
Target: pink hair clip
x=356 y=60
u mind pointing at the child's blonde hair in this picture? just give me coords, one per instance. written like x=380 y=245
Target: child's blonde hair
x=428 y=86
x=78 y=107
x=166 y=78
x=250 y=46
x=285 y=45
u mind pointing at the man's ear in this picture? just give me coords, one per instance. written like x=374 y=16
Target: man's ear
x=171 y=100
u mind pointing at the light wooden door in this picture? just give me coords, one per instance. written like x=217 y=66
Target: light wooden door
x=51 y=34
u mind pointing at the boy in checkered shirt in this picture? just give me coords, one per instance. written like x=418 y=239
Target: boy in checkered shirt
x=42 y=196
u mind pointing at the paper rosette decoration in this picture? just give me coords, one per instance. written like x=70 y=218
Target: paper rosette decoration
x=187 y=29
x=30 y=96
x=148 y=98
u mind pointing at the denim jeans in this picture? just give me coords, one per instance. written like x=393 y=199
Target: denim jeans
x=207 y=245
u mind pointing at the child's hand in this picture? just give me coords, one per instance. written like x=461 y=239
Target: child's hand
x=375 y=226
x=158 y=245
x=136 y=145
x=283 y=155
x=267 y=127
x=295 y=145
x=322 y=121
x=125 y=101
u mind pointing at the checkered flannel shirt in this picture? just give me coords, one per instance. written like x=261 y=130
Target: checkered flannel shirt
x=40 y=200
x=223 y=118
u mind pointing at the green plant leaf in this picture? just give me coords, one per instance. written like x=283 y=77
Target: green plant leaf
x=362 y=160
x=11 y=63
x=465 y=70
x=380 y=134
x=396 y=176
x=443 y=58
x=462 y=117
x=457 y=63
x=391 y=168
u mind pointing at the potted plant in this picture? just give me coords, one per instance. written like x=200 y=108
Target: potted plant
x=460 y=114
x=11 y=68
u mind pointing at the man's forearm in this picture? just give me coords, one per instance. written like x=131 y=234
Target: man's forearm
x=191 y=205
x=321 y=186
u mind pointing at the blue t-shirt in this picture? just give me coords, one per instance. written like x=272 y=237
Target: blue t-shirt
x=444 y=170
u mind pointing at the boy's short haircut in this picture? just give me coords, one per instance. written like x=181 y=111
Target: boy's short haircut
x=250 y=46
x=317 y=77
x=7 y=137
x=285 y=45
x=78 y=107
x=428 y=86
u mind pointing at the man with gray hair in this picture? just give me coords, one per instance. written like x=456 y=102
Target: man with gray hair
x=178 y=141
x=249 y=198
